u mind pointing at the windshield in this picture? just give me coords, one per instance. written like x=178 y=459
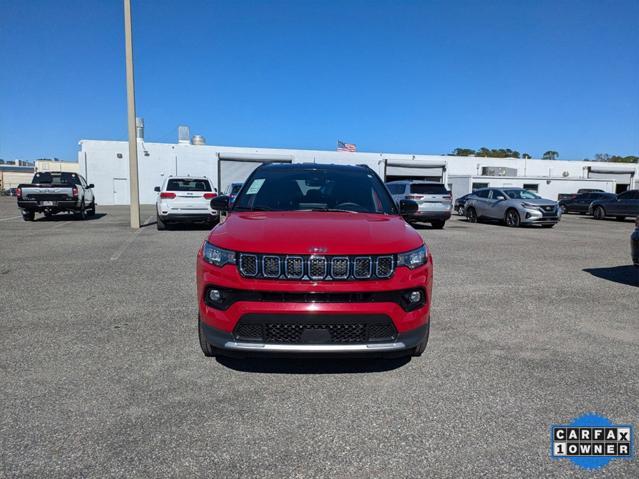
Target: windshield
x=188 y=185
x=235 y=188
x=521 y=194
x=295 y=189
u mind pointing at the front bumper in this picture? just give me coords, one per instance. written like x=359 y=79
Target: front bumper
x=404 y=342
x=286 y=300
x=535 y=216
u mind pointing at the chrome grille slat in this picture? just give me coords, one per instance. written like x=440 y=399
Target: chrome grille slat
x=294 y=267
x=384 y=266
x=271 y=266
x=362 y=267
x=316 y=267
x=248 y=264
x=340 y=267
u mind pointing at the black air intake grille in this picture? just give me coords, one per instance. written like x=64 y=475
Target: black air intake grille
x=301 y=329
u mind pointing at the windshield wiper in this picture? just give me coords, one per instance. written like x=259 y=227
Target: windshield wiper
x=255 y=208
x=330 y=210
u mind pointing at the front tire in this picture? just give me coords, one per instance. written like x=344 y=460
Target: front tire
x=438 y=225
x=208 y=350
x=599 y=213
x=421 y=347
x=471 y=215
x=92 y=209
x=513 y=219
x=28 y=215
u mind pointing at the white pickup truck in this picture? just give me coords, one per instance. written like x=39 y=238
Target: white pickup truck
x=55 y=192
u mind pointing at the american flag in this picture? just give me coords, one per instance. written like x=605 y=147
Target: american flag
x=341 y=146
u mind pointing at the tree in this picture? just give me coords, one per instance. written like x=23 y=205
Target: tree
x=463 y=152
x=624 y=159
x=526 y=156
x=486 y=152
x=550 y=155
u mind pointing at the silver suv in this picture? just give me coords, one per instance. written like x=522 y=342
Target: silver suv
x=513 y=206
x=434 y=201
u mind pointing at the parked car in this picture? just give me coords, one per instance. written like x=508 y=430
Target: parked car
x=314 y=259
x=580 y=191
x=460 y=203
x=185 y=199
x=581 y=203
x=634 y=244
x=620 y=206
x=232 y=190
x=56 y=192
x=434 y=201
x=514 y=206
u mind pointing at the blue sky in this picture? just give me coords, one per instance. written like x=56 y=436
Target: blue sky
x=390 y=76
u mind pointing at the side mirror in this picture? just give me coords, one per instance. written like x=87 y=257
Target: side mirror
x=157 y=188
x=90 y=185
x=220 y=203
x=407 y=207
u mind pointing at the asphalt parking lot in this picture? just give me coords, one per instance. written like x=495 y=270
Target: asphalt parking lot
x=102 y=374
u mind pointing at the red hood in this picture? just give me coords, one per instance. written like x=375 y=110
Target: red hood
x=304 y=232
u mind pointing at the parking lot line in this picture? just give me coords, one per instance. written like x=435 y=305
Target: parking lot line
x=131 y=239
x=12 y=218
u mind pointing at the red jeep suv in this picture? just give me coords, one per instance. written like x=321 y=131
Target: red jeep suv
x=314 y=259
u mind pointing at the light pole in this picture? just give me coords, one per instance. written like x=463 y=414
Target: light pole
x=130 y=97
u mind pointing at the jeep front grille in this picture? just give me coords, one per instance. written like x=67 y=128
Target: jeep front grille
x=316 y=268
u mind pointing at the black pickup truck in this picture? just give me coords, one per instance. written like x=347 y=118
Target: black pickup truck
x=55 y=192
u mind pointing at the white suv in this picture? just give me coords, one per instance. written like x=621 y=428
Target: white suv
x=185 y=199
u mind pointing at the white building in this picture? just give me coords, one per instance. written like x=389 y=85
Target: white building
x=105 y=163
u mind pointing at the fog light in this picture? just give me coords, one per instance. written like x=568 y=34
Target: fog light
x=415 y=297
x=215 y=295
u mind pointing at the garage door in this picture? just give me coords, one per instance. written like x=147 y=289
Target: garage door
x=414 y=170
x=620 y=176
x=236 y=168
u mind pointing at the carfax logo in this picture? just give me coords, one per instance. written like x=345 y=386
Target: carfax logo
x=591 y=441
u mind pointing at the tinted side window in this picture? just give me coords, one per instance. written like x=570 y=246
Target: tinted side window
x=626 y=195
x=481 y=193
x=396 y=189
